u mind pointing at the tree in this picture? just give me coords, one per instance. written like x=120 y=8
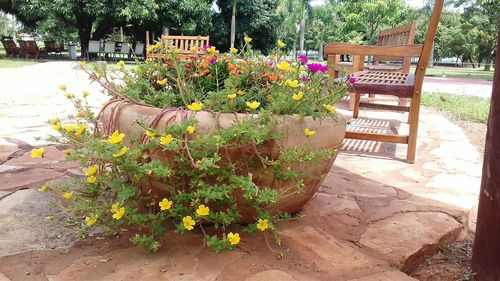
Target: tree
x=368 y=17
x=92 y=19
x=485 y=15
x=256 y=18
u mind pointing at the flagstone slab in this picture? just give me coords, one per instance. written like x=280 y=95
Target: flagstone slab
x=24 y=227
x=406 y=239
x=51 y=156
x=30 y=178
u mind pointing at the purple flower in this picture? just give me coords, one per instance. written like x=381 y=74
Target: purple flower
x=206 y=47
x=305 y=79
x=213 y=60
x=317 y=67
x=352 y=79
x=303 y=59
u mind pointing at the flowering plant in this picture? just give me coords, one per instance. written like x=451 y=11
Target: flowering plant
x=201 y=186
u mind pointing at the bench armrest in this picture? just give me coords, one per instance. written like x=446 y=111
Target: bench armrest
x=353 y=49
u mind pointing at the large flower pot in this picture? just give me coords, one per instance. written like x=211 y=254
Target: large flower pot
x=330 y=132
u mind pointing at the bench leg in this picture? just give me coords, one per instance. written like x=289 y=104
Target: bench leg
x=352 y=97
x=357 y=98
x=413 y=123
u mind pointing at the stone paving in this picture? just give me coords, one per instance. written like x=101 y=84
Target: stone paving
x=374 y=218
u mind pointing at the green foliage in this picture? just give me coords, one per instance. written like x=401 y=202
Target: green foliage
x=462 y=107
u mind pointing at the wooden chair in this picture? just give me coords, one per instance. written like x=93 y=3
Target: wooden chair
x=402 y=35
x=182 y=44
x=52 y=47
x=396 y=84
x=29 y=49
x=10 y=47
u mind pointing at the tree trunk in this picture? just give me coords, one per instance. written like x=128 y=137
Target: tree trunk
x=84 y=27
x=320 y=51
x=233 y=25
x=487 y=63
x=486 y=252
x=294 y=52
x=431 y=57
x=302 y=35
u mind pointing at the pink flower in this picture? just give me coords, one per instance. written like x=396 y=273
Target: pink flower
x=317 y=67
x=352 y=79
x=206 y=47
x=303 y=59
x=305 y=79
x=213 y=60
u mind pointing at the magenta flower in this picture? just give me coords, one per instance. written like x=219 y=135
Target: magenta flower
x=305 y=79
x=317 y=67
x=213 y=60
x=206 y=47
x=303 y=59
x=352 y=79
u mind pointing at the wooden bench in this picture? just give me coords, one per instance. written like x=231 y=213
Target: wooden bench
x=10 y=47
x=182 y=44
x=396 y=84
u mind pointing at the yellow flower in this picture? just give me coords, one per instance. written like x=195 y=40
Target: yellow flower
x=37 y=152
x=202 y=211
x=309 y=133
x=298 y=96
x=82 y=64
x=56 y=127
x=54 y=121
x=233 y=51
x=165 y=204
x=193 y=49
x=329 y=108
x=190 y=129
x=91 y=179
x=281 y=44
x=116 y=137
x=91 y=170
x=262 y=224
x=69 y=127
x=119 y=213
x=80 y=129
x=253 y=105
x=43 y=188
x=120 y=64
x=68 y=95
x=195 y=106
x=283 y=65
x=150 y=134
x=247 y=39
x=90 y=221
x=188 y=222
x=212 y=50
x=231 y=97
x=240 y=92
x=162 y=82
x=68 y=151
x=121 y=152
x=85 y=94
x=115 y=207
x=234 y=238
x=166 y=139
x=292 y=84
x=62 y=87
x=68 y=195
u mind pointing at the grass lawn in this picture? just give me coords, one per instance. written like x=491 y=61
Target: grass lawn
x=15 y=62
x=458 y=72
x=461 y=107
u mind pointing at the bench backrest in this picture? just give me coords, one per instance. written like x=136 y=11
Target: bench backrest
x=182 y=44
x=402 y=35
x=9 y=45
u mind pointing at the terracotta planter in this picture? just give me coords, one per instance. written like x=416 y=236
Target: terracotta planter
x=329 y=134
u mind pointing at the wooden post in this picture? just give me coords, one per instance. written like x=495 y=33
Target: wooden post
x=486 y=253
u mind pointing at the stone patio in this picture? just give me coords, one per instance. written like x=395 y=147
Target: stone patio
x=374 y=218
